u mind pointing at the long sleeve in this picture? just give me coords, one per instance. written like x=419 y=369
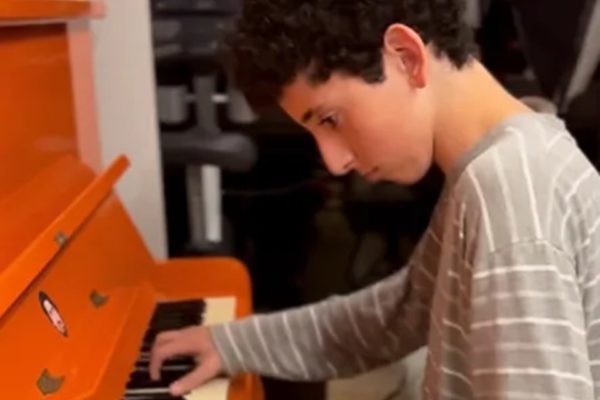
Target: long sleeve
x=339 y=337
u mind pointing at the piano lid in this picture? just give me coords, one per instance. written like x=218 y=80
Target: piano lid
x=18 y=273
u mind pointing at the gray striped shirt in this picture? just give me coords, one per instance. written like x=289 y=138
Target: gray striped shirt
x=503 y=288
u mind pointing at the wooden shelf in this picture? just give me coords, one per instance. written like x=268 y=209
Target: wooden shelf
x=28 y=10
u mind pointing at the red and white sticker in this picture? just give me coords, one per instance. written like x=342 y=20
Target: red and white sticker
x=53 y=314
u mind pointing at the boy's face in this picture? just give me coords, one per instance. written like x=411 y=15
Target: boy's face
x=384 y=131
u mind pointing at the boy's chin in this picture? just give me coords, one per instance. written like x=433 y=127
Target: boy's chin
x=406 y=177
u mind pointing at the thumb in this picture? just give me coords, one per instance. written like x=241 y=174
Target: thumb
x=207 y=370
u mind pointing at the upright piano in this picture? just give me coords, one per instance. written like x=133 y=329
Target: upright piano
x=81 y=298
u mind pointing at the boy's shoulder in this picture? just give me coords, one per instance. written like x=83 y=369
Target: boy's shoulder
x=525 y=152
x=519 y=178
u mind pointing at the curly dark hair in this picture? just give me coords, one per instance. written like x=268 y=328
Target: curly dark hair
x=277 y=39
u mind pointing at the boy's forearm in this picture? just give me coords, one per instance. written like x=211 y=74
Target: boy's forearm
x=339 y=337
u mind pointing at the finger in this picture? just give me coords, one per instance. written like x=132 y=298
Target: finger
x=160 y=340
x=166 y=336
x=194 y=379
x=164 y=351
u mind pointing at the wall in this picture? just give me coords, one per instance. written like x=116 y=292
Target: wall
x=125 y=89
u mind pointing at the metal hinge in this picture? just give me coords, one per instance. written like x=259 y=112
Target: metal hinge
x=98 y=299
x=61 y=239
x=47 y=384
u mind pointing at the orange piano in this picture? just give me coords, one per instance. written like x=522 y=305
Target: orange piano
x=80 y=295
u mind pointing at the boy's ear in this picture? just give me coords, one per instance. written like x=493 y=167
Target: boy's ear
x=408 y=51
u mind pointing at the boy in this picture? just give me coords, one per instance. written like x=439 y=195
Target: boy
x=503 y=287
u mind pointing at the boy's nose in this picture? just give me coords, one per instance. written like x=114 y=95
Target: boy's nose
x=338 y=158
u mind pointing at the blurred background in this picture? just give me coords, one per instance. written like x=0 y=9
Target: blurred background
x=210 y=177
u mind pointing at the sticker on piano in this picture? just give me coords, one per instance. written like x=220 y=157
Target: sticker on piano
x=53 y=314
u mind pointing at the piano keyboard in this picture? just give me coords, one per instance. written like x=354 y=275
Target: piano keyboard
x=176 y=315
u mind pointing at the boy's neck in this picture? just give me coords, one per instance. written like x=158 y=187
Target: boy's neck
x=471 y=102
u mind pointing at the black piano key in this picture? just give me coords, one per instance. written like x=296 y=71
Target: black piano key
x=184 y=361
x=162 y=395
x=176 y=315
x=151 y=397
x=179 y=308
x=179 y=304
x=173 y=322
x=142 y=380
x=171 y=316
x=158 y=396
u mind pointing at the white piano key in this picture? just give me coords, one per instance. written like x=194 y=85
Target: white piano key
x=217 y=389
x=219 y=310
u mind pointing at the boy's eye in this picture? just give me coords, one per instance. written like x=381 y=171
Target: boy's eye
x=330 y=120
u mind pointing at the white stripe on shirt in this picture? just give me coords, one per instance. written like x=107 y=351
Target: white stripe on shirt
x=512 y=220
x=532 y=199
x=484 y=208
x=290 y=335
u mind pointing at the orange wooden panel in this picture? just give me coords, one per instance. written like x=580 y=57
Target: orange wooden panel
x=36 y=102
x=49 y=9
x=81 y=46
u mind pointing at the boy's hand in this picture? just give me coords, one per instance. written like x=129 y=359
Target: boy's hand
x=193 y=341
